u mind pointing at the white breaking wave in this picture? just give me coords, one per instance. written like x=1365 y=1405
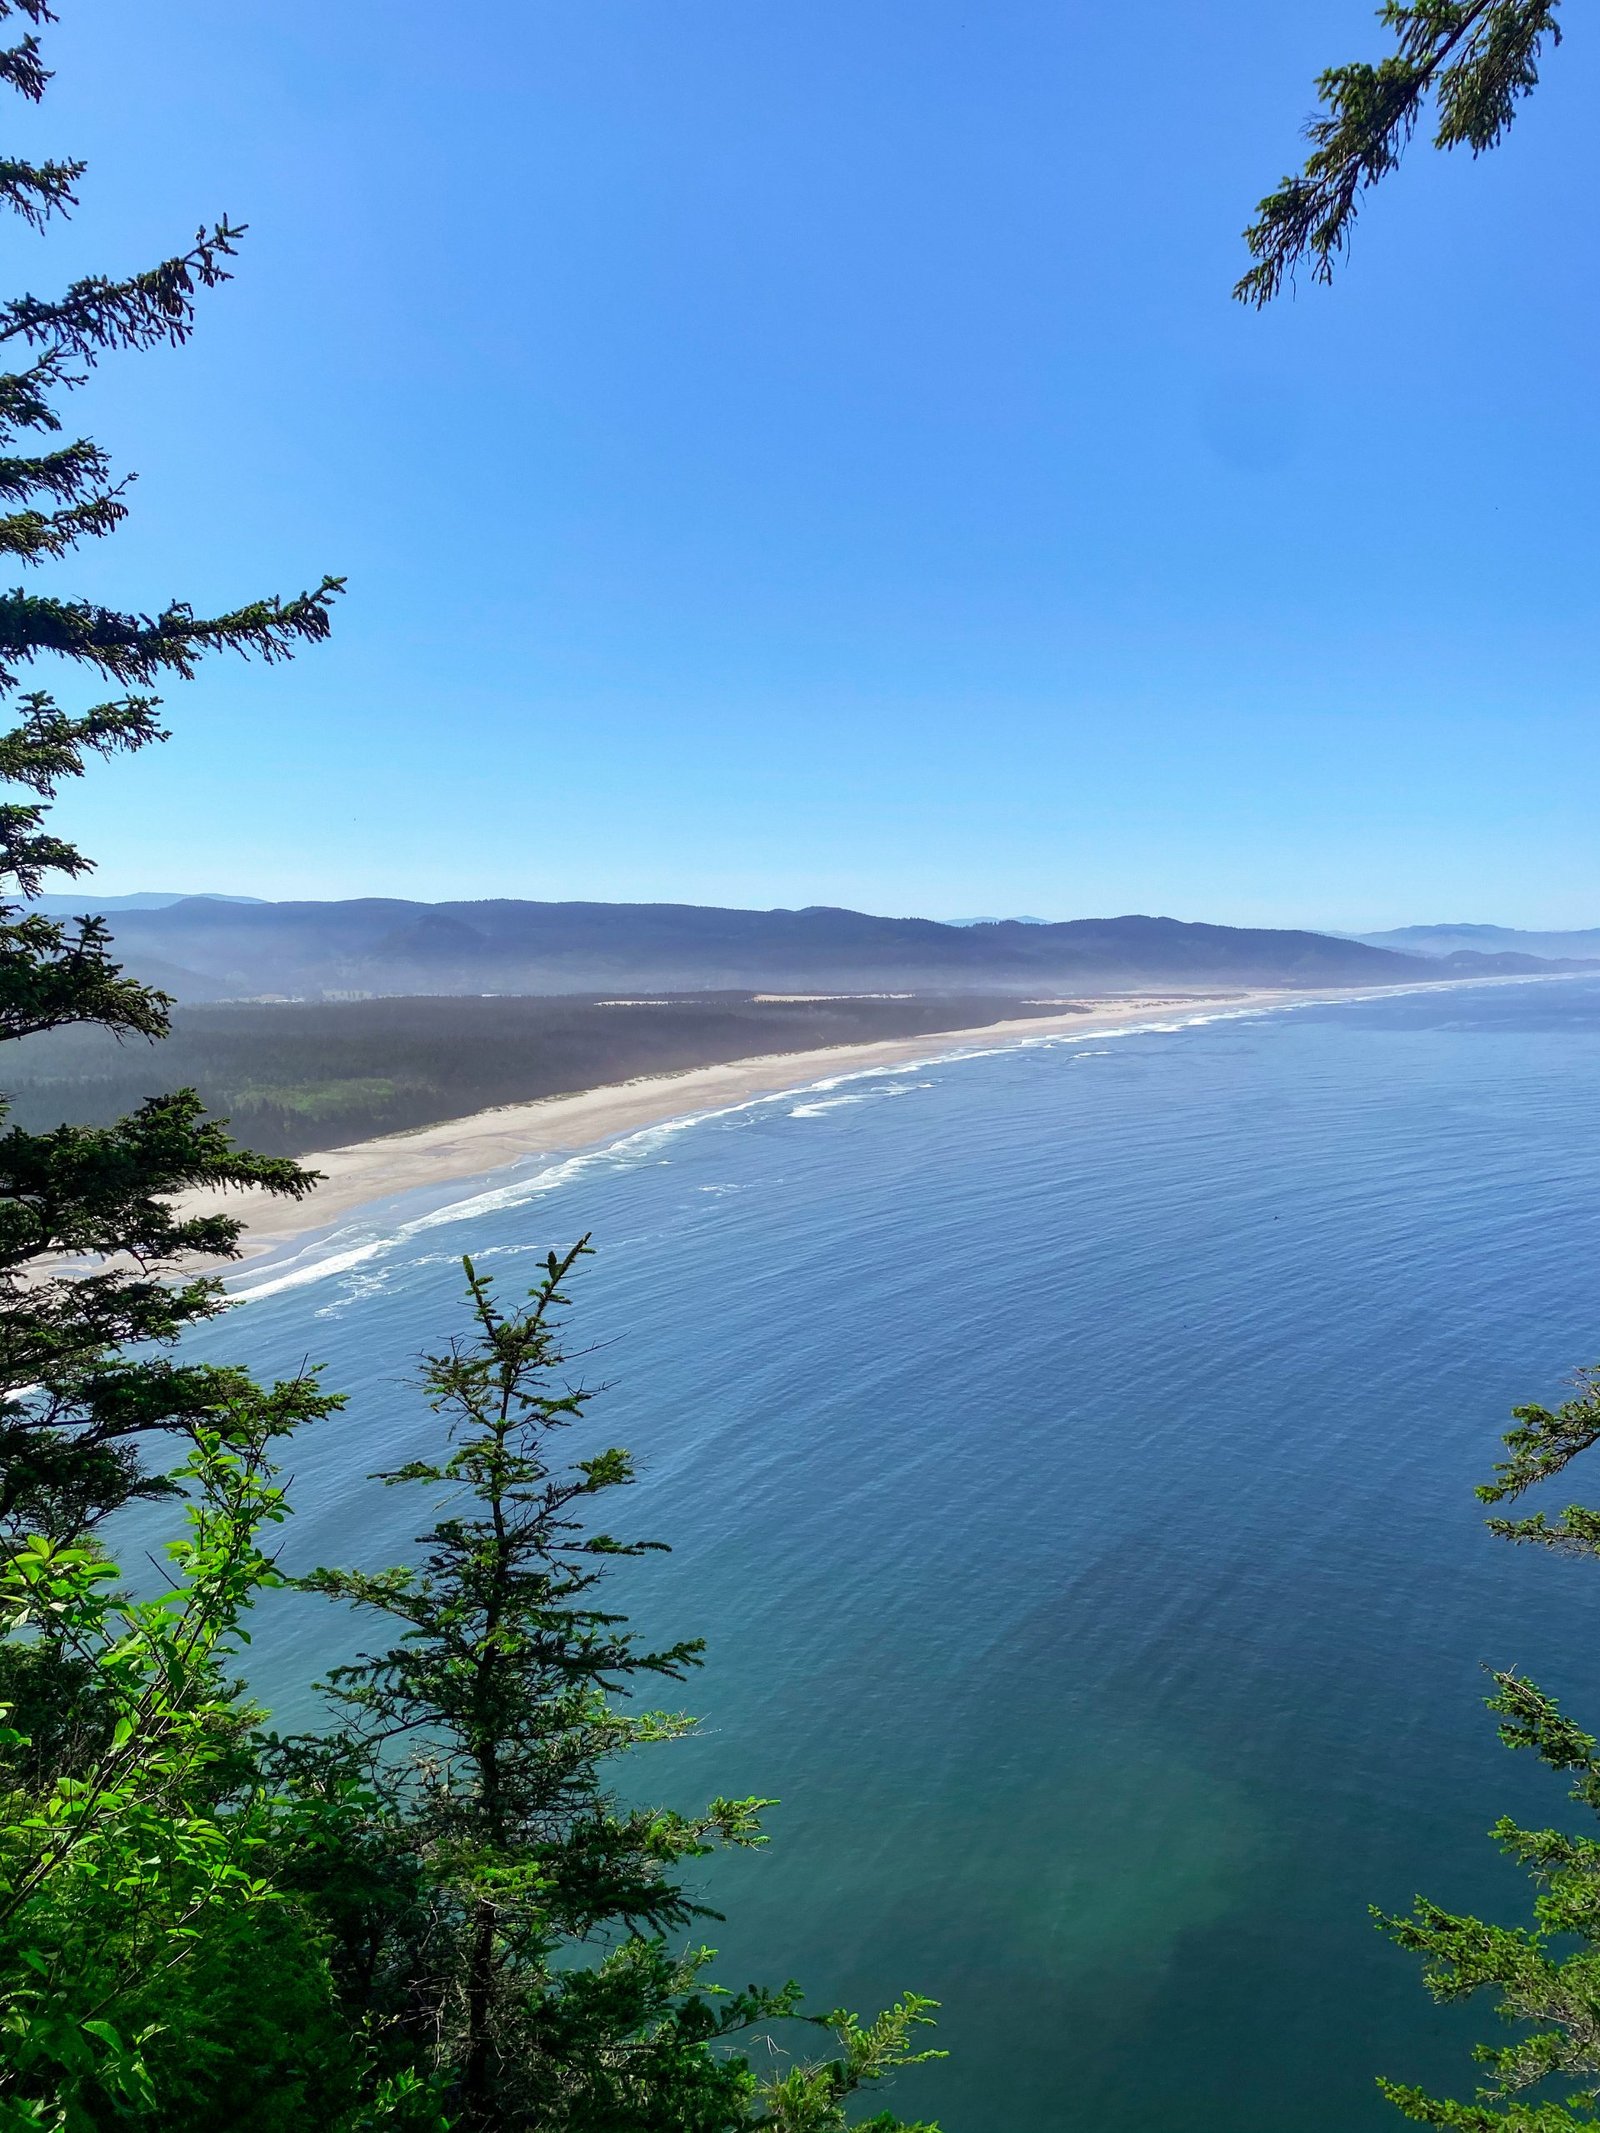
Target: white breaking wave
x=864 y=1096
x=358 y=1244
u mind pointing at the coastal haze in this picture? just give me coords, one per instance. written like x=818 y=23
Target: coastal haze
x=211 y=948
x=1486 y=940
x=313 y=1026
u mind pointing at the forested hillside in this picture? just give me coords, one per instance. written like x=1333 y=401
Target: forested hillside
x=207 y=949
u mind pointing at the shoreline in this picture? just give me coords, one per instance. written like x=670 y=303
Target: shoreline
x=478 y=1148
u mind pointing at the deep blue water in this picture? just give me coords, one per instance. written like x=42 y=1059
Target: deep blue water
x=1068 y=1453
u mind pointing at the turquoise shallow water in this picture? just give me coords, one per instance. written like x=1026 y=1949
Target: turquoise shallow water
x=1068 y=1453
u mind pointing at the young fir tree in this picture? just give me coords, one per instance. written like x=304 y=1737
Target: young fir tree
x=1473 y=61
x=82 y=1376
x=508 y=1923
x=1546 y=1977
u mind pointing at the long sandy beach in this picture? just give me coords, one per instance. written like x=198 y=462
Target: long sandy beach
x=471 y=1149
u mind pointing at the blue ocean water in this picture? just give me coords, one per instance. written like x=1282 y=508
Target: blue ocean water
x=1068 y=1453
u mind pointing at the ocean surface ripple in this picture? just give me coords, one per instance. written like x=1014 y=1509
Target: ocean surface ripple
x=1067 y=1449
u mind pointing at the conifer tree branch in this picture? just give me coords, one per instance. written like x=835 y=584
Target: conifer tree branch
x=22 y=69
x=31 y=535
x=24 y=404
x=53 y=976
x=1536 y=1982
x=136 y=648
x=1543 y=1443
x=76 y=470
x=143 y=310
x=1475 y=60
x=50 y=744
x=36 y=191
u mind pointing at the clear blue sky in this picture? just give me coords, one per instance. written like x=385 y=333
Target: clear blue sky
x=788 y=451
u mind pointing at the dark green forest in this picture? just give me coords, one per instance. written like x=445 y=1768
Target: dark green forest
x=299 y=1077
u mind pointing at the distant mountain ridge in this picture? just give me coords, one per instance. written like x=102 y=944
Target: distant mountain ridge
x=77 y=901
x=207 y=948
x=1584 y=943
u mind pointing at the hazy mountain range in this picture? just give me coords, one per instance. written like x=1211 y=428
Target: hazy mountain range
x=202 y=948
x=142 y=900
x=1453 y=940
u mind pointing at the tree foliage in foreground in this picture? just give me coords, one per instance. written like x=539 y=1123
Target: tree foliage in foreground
x=1545 y=1977
x=204 y=1929
x=1468 y=62
x=1472 y=62
x=519 y=1939
x=437 y=1914
x=83 y=1379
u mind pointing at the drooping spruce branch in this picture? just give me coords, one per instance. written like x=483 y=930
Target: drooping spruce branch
x=77 y=481
x=47 y=747
x=76 y=471
x=1472 y=61
x=1545 y=1978
x=1542 y=1979
x=1544 y=1442
x=24 y=396
x=31 y=79
x=36 y=191
x=137 y=648
x=32 y=535
x=108 y=1189
x=144 y=310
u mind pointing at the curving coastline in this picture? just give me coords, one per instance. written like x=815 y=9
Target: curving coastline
x=473 y=1149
